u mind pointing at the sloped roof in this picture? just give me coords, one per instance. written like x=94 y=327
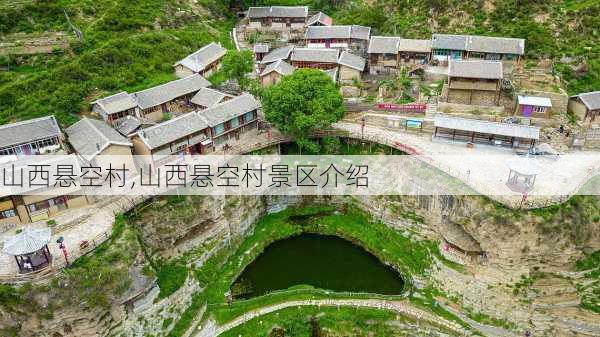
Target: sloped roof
x=28 y=131
x=208 y=97
x=28 y=241
x=282 y=53
x=352 y=61
x=91 y=136
x=281 y=67
x=475 y=69
x=338 y=32
x=127 y=125
x=534 y=100
x=232 y=108
x=383 y=45
x=116 y=103
x=260 y=48
x=449 y=41
x=474 y=125
x=203 y=57
x=172 y=130
x=499 y=45
x=278 y=12
x=326 y=55
x=413 y=45
x=320 y=18
x=475 y=43
x=590 y=99
x=332 y=73
x=166 y=92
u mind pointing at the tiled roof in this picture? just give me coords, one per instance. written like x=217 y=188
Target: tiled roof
x=320 y=18
x=417 y=46
x=203 y=57
x=338 y=32
x=260 y=48
x=325 y=55
x=232 y=108
x=208 y=97
x=474 y=125
x=29 y=240
x=278 y=12
x=281 y=67
x=383 y=45
x=89 y=137
x=352 y=61
x=127 y=125
x=487 y=44
x=28 y=131
x=116 y=103
x=475 y=69
x=591 y=99
x=172 y=130
x=282 y=53
x=170 y=90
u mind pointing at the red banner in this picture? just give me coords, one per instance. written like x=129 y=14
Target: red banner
x=412 y=107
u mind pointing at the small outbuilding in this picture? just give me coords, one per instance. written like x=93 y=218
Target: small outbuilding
x=351 y=67
x=533 y=106
x=273 y=73
x=586 y=105
x=30 y=249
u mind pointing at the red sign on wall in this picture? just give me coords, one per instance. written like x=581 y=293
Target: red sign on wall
x=412 y=107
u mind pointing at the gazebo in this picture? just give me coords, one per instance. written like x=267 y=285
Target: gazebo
x=30 y=249
x=522 y=175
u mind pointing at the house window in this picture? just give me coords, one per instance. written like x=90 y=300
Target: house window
x=9 y=213
x=442 y=52
x=249 y=116
x=234 y=123
x=219 y=129
x=539 y=109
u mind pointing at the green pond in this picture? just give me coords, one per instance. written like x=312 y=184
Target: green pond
x=322 y=261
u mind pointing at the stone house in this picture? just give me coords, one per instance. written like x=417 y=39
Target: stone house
x=34 y=136
x=586 y=105
x=474 y=82
x=388 y=53
x=317 y=58
x=319 y=19
x=207 y=98
x=351 y=67
x=278 y=54
x=277 y=17
x=273 y=72
x=446 y=47
x=172 y=96
x=533 y=106
x=93 y=139
x=260 y=50
x=115 y=107
x=205 y=61
x=354 y=37
x=228 y=120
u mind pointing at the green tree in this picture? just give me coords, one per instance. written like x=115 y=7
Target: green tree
x=301 y=103
x=237 y=65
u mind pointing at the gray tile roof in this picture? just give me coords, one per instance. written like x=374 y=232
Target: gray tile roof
x=591 y=99
x=499 y=45
x=170 y=90
x=325 y=55
x=281 y=67
x=116 y=103
x=282 y=53
x=28 y=131
x=260 y=48
x=203 y=57
x=172 y=130
x=208 y=97
x=278 y=12
x=474 y=125
x=232 y=108
x=449 y=41
x=90 y=136
x=475 y=69
x=29 y=240
x=487 y=44
x=352 y=61
x=338 y=32
x=320 y=18
x=127 y=125
x=383 y=45
x=332 y=73
x=417 y=46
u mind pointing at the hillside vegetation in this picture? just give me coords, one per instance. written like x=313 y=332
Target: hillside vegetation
x=129 y=45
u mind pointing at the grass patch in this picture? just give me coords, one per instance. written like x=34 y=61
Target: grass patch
x=170 y=277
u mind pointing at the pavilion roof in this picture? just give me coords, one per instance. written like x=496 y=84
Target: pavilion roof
x=30 y=240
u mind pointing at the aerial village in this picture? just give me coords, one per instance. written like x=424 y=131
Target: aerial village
x=461 y=89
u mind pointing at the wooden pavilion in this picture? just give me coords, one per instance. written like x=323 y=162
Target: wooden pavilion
x=30 y=249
